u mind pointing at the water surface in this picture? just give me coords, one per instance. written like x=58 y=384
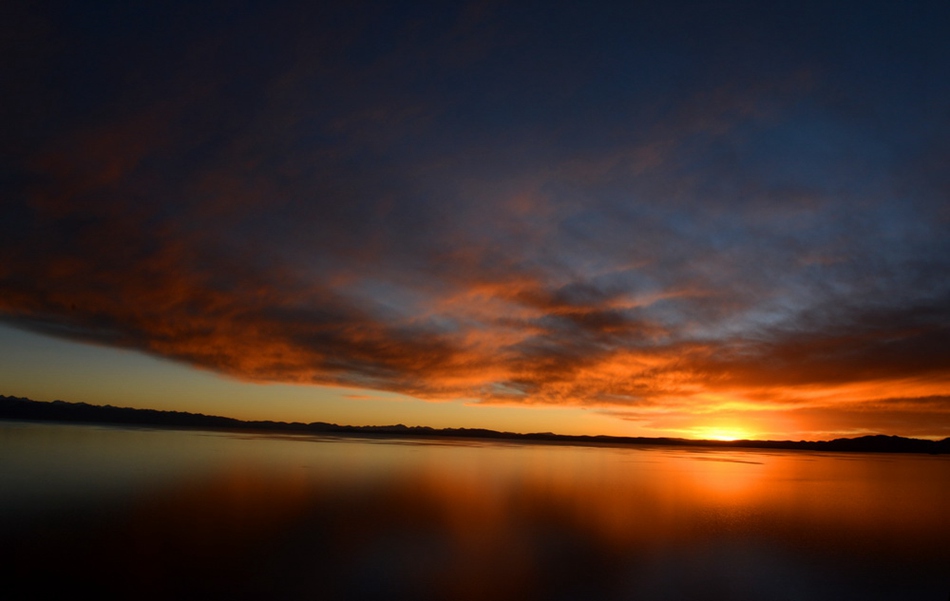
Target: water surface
x=159 y=514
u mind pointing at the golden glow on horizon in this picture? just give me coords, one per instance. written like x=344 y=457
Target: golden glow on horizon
x=103 y=375
x=721 y=433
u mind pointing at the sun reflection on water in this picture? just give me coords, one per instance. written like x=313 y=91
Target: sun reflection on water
x=345 y=519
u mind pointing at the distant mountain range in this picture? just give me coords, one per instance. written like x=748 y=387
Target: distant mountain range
x=17 y=408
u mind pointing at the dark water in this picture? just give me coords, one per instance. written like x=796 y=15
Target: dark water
x=163 y=514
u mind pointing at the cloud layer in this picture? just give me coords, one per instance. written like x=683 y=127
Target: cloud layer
x=651 y=211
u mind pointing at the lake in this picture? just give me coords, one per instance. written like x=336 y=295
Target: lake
x=159 y=514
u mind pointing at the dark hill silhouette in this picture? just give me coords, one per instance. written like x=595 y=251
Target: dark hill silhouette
x=17 y=408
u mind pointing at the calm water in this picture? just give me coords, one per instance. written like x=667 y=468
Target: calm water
x=162 y=514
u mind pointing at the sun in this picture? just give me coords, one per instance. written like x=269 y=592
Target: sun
x=724 y=434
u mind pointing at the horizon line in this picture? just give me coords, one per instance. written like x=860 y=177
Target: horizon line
x=71 y=412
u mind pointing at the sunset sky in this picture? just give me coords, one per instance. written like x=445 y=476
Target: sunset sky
x=694 y=219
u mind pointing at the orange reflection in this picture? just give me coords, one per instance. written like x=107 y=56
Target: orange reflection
x=351 y=519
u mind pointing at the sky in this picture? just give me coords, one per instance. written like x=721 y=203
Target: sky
x=698 y=219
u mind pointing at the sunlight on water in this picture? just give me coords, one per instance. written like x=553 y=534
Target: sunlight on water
x=158 y=514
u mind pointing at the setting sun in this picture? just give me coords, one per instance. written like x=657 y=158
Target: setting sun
x=721 y=433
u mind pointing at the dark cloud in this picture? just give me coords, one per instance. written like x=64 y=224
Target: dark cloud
x=841 y=344
x=542 y=203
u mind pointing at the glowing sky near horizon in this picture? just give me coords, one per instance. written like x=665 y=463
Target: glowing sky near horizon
x=689 y=219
